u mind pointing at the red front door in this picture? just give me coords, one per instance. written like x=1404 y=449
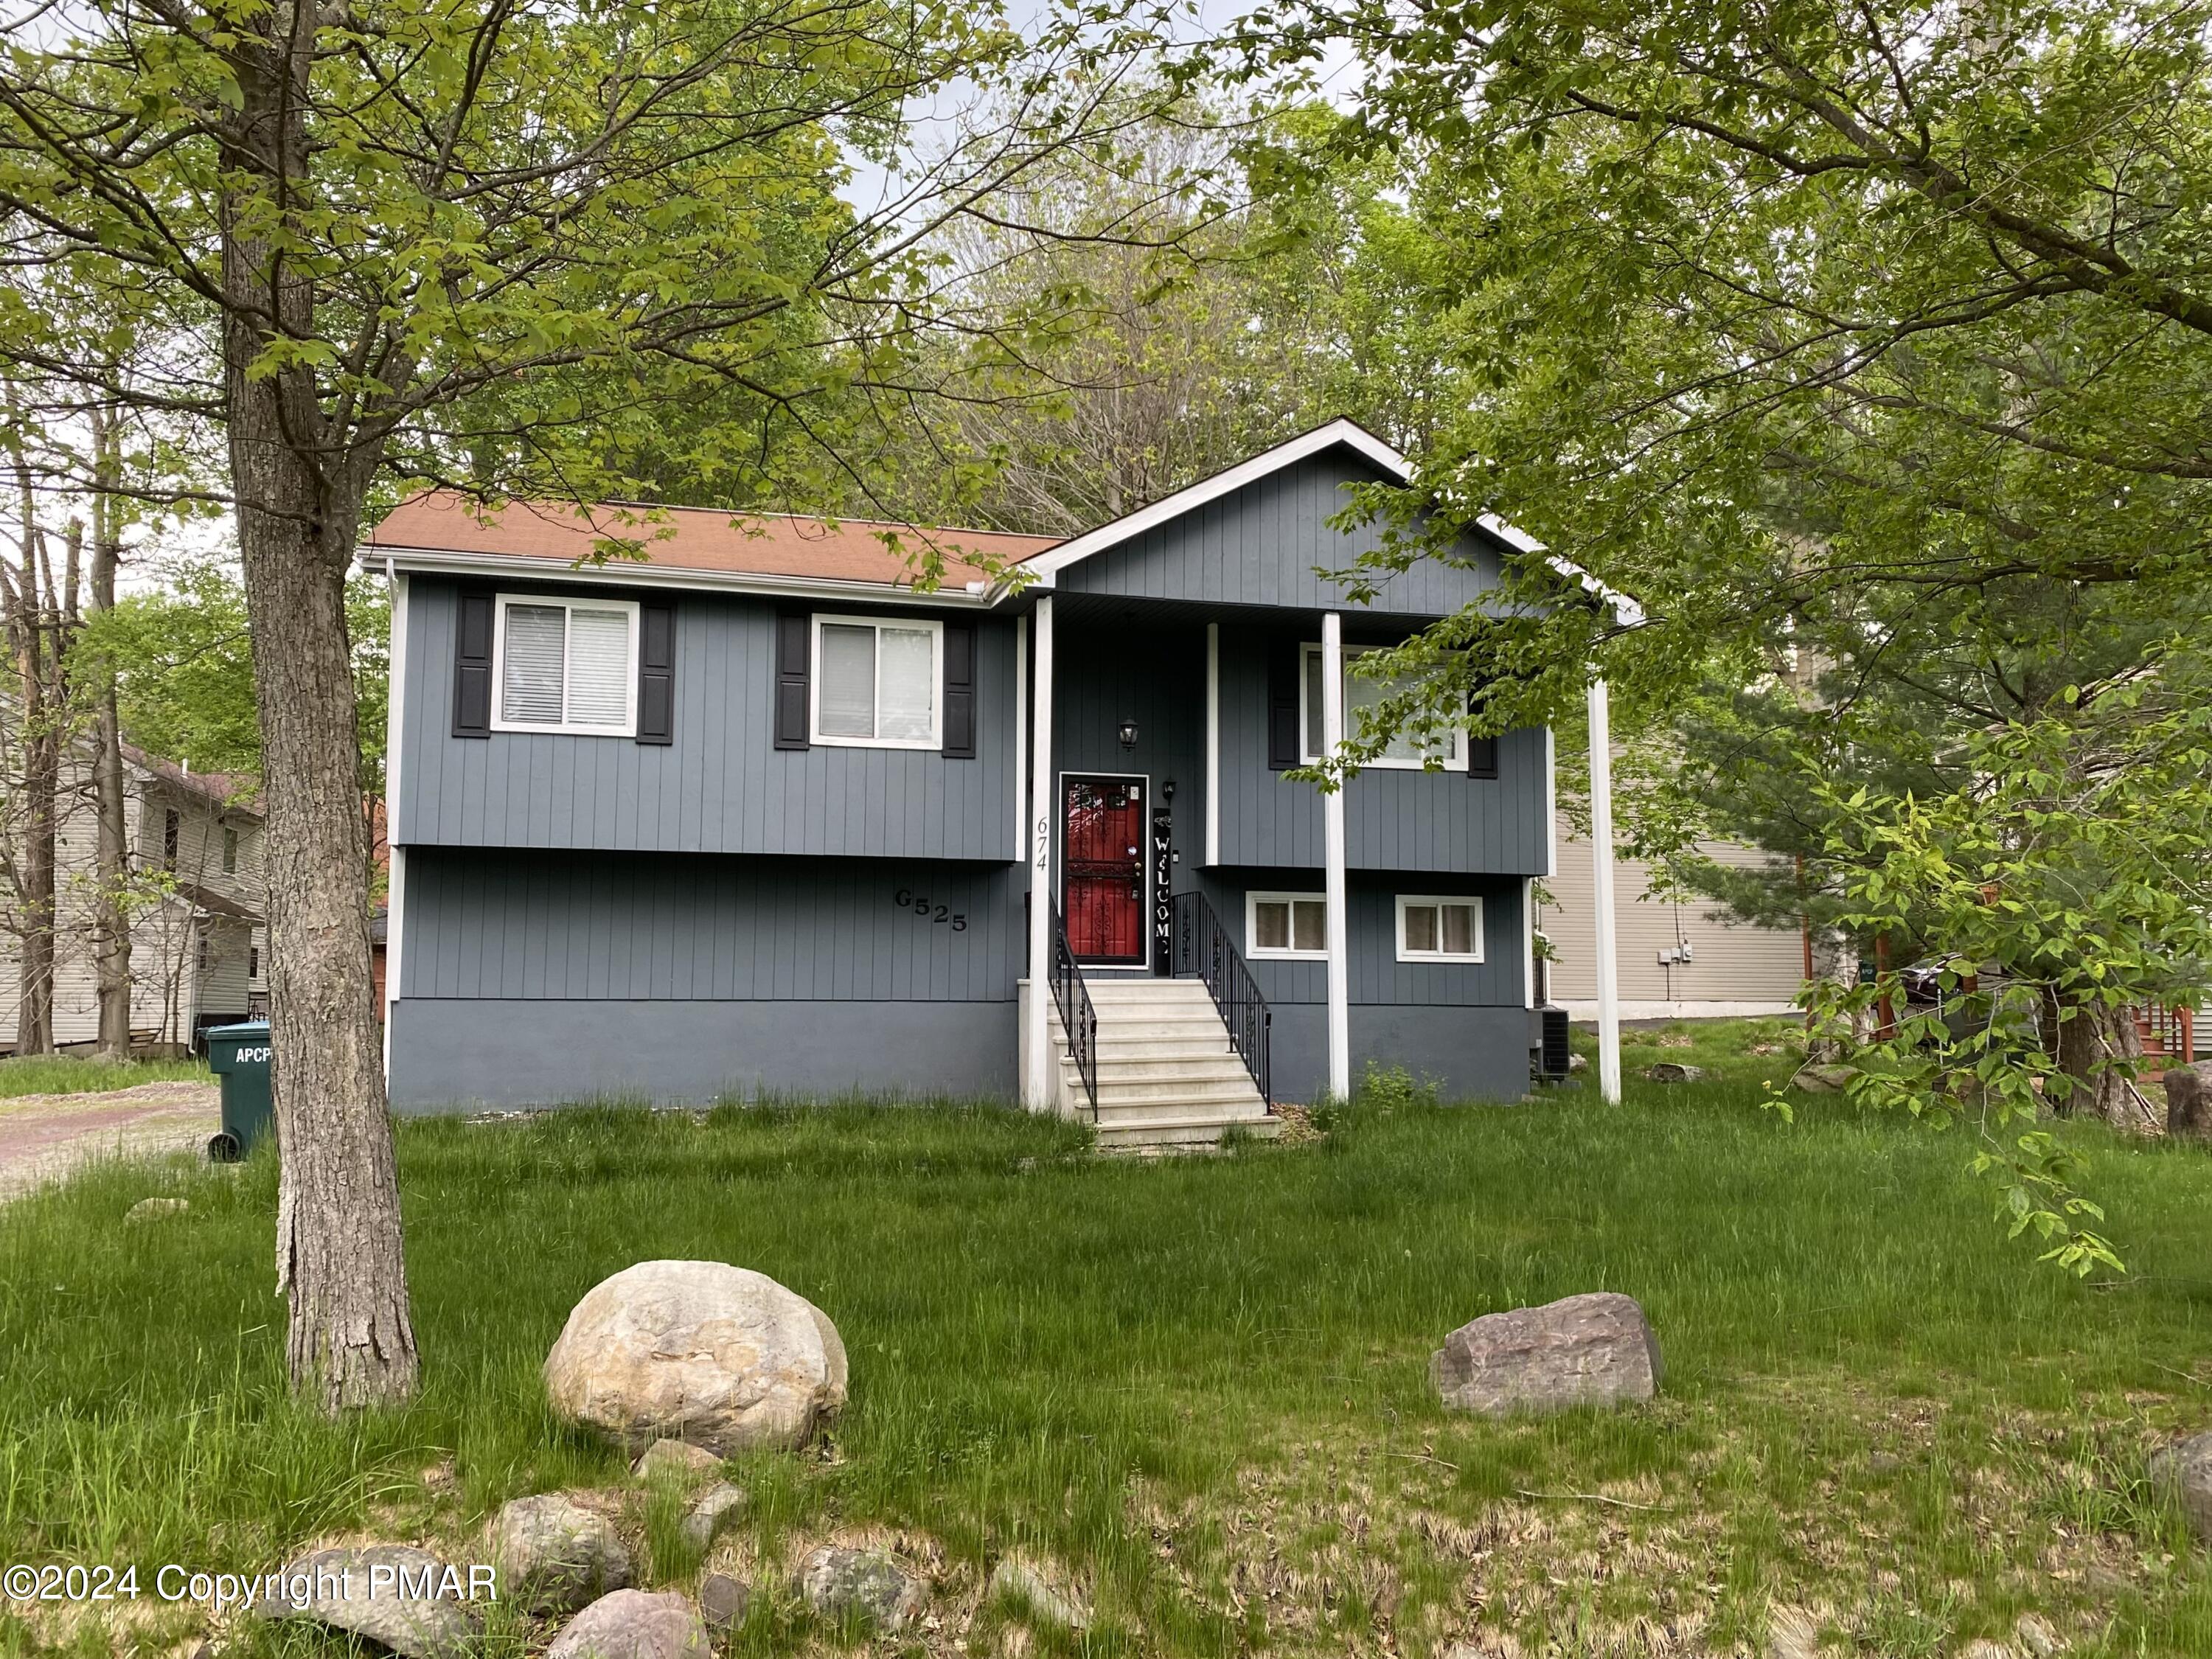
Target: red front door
x=1102 y=825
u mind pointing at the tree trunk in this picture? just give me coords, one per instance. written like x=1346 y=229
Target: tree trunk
x=34 y=868
x=299 y=487
x=339 y=1247
x=111 y=915
x=2099 y=1050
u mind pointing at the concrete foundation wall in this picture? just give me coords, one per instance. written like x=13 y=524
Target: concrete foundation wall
x=456 y=1055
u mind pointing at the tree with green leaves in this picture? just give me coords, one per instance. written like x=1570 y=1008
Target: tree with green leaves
x=1868 y=350
x=463 y=240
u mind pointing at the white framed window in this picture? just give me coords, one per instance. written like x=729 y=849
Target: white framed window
x=1286 y=927
x=565 y=666
x=1432 y=928
x=1404 y=751
x=878 y=683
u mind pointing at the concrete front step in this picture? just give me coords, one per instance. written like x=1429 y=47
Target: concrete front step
x=1206 y=1068
x=1181 y=1135
x=1168 y=1080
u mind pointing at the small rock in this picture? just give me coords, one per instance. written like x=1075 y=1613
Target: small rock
x=1591 y=1350
x=406 y=1600
x=1985 y=1649
x=633 y=1623
x=1019 y=1581
x=554 y=1555
x=722 y=1602
x=153 y=1209
x=2034 y=1633
x=676 y=1457
x=2185 y=1472
x=1579 y=1063
x=716 y=1508
x=1791 y=1633
x=719 y=1356
x=1669 y=1071
x=1823 y=1079
x=869 y=1584
x=2189 y=1101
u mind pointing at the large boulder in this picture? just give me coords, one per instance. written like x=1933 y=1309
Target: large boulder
x=554 y=1555
x=719 y=1356
x=1593 y=1350
x=2189 y=1101
x=2185 y=1472
x=402 y=1599
x=633 y=1624
x=869 y=1585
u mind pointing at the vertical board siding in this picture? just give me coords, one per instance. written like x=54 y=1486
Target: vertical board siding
x=1263 y=544
x=1155 y=675
x=1394 y=820
x=1378 y=977
x=721 y=787
x=505 y=925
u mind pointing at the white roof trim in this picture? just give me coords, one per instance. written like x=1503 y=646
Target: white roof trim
x=1048 y=564
x=629 y=574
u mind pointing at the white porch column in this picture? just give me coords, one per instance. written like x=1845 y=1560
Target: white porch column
x=395 y=728
x=1037 y=1090
x=1608 y=975
x=1338 y=922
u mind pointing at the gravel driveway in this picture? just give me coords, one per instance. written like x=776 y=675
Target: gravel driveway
x=43 y=1137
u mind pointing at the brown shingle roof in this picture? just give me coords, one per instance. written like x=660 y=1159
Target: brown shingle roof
x=238 y=791
x=697 y=539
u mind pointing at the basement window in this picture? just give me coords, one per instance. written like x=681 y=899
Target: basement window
x=1448 y=929
x=1286 y=927
x=877 y=684
x=566 y=665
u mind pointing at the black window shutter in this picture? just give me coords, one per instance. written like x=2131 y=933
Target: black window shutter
x=1481 y=752
x=472 y=667
x=656 y=672
x=792 y=650
x=960 y=690
x=1284 y=689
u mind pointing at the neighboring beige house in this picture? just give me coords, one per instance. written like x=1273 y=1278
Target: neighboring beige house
x=1676 y=960
x=198 y=942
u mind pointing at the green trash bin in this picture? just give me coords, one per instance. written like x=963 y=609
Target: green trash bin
x=239 y=1055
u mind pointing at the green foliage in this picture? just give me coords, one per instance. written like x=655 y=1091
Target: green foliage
x=182 y=657
x=2067 y=872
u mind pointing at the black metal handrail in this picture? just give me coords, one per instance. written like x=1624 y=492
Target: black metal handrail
x=1204 y=950
x=1079 y=1020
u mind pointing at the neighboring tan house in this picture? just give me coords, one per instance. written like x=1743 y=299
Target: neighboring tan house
x=752 y=814
x=1677 y=958
x=197 y=941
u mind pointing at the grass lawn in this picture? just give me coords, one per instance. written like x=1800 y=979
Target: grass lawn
x=73 y=1074
x=1201 y=1384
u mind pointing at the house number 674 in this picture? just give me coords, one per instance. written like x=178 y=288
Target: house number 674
x=943 y=915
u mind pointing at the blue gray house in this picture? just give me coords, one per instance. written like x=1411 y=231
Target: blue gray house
x=751 y=814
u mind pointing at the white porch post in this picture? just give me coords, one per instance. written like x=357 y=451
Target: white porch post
x=1337 y=922
x=1608 y=975
x=1037 y=1090
x=395 y=727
